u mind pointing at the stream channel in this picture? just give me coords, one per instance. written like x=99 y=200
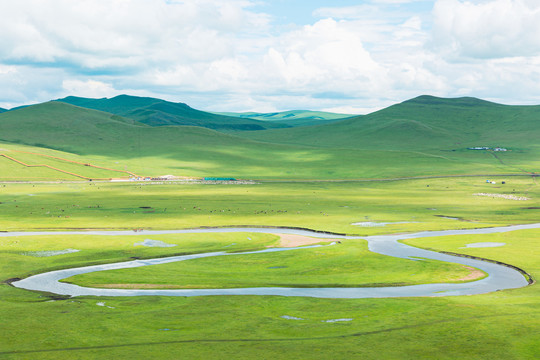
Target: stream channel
x=499 y=277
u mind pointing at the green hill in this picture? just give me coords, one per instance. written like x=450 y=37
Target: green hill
x=421 y=137
x=423 y=123
x=2 y=110
x=121 y=104
x=78 y=130
x=156 y=112
x=65 y=127
x=293 y=118
x=105 y=139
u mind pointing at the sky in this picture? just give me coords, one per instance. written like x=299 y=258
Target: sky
x=261 y=55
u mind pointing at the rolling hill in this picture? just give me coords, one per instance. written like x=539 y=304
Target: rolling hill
x=156 y=112
x=420 y=137
x=422 y=123
x=105 y=139
x=293 y=118
x=60 y=126
x=2 y=110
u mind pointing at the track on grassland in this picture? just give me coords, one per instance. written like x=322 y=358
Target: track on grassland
x=81 y=176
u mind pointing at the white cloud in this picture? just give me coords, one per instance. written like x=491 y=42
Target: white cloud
x=6 y=69
x=89 y=88
x=25 y=85
x=223 y=55
x=81 y=32
x=328 y=56
x=489 y=29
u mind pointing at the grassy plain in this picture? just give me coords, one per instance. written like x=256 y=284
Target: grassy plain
x=348 y=264
x=427 y=204
x=422 y=137
x=501 y=325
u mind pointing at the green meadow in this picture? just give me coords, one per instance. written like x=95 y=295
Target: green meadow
x=414 y=205
x=497 y=326
x=350 y=264
x=399 y=170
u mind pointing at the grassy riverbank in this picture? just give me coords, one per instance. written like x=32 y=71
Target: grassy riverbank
x=495 y=326
x=501 y=325
x=348 y=264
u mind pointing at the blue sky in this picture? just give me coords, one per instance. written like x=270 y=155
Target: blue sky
x=243 y=55
x=303 y=12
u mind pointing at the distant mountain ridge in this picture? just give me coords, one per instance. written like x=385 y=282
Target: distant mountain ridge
x=460 y=101
x=157 y=112
x=293 y=118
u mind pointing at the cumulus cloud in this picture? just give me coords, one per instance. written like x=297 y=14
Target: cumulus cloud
x=225 y=55
x=125 y=32
x=488 y=29
x=324 y=52
x=89 y=88
x=136 y=43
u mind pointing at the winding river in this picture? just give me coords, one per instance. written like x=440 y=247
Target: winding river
x=499 y=277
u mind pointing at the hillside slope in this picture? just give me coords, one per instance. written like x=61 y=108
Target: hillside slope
x=157 y=112
x=66 y=127
x=115 y=142
x=423 y=123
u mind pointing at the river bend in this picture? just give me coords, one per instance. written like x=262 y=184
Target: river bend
x=499 y=277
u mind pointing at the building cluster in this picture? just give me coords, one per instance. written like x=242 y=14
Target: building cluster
x=487 y=148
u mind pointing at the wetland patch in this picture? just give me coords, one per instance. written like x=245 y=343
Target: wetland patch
x=483 y=245
x=48 y=253
x=154 y=243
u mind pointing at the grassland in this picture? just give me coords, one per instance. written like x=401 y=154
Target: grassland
x=350 y=264
x=20 y=165
x=248 y=160
x=421 y=204
x=496 y=326
x=425 y=137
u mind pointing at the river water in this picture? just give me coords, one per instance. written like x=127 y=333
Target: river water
x=499 y=277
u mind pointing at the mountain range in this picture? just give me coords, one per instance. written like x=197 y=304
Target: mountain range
x=293 y=118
